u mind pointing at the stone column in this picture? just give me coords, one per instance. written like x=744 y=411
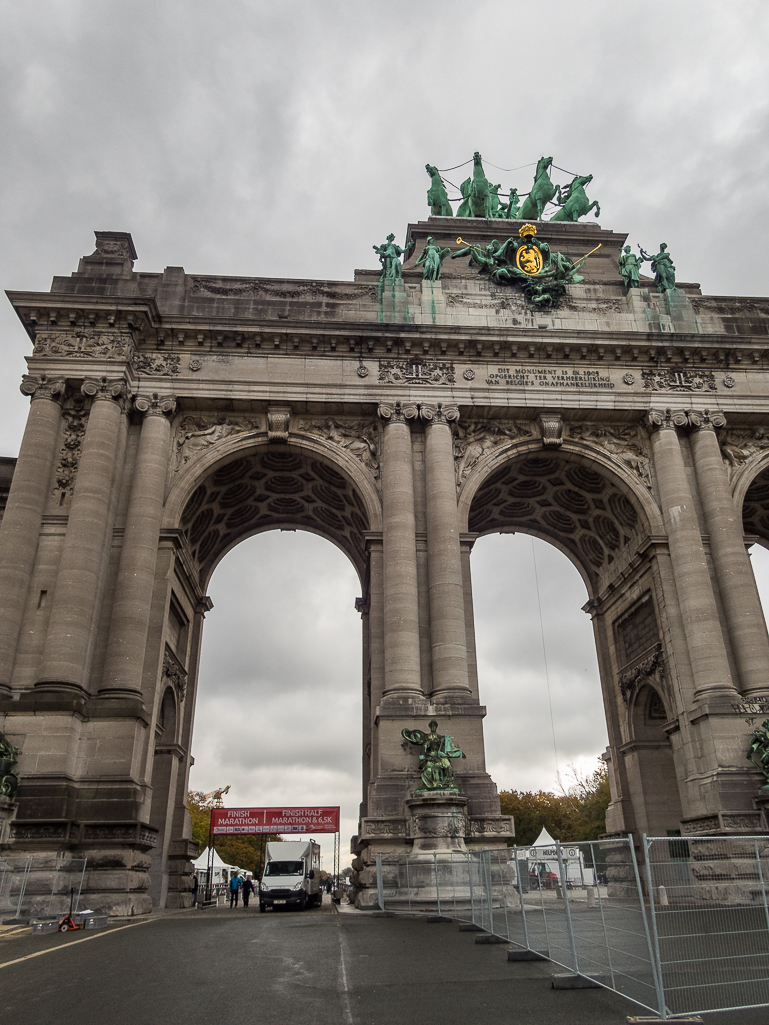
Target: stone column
x=704 y=639
x=65 y=655
x=401 y=601
x=20 y=529
x=444 y=558
x=127 y=642
x=742 y=606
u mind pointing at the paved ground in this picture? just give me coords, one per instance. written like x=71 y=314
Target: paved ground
x=318 y=967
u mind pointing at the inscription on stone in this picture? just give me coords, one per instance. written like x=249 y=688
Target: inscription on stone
x=557 y=377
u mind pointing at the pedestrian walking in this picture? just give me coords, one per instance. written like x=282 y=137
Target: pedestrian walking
x=248 y=889
x=236 y=884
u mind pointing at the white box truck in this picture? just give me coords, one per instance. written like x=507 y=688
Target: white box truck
x=291 y=876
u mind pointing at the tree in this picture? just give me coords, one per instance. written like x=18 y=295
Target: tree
x=577 y=813
x=247 y=852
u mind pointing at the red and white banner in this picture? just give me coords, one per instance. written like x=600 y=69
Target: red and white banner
x=274 y=820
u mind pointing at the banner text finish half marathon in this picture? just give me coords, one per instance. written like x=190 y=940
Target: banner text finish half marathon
x=274 y=820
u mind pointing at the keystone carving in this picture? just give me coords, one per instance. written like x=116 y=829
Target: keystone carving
x=359 y=437
x=551 y=426
x=155 y=404
x=278 y=423
x=43 y=387
x=195 y=434
x=624 y=443
x=84 y=344
x=477 y=439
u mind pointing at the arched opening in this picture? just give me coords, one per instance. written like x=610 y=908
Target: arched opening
x=599 y=516
x=651 y=765
x=539 y=677
x=278 y=714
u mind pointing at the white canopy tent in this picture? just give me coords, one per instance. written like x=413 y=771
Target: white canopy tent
x=543 y=853
x=222 y=871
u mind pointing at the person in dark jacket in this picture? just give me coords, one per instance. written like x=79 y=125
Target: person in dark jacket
x=248 y=889
x=236 y=884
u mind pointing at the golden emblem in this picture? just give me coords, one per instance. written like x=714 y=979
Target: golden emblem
x=528 y=259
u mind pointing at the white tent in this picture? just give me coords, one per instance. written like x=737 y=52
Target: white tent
x=222 y=871
x=543 y=852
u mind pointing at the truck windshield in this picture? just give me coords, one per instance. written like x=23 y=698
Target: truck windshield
x=284 y=868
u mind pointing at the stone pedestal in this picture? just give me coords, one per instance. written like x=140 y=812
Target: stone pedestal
x=437 y=822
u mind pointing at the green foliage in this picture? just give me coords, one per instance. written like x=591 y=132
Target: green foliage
x=244 y=851
x=578 y=813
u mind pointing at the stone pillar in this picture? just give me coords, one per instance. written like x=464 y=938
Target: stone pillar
x=444 y=558
x=20 y=530
x=742 y=606
x=401 y=601
x=136 y=576
x=704 y=639
x=67 y=642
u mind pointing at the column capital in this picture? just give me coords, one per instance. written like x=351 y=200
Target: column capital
x=41 y=386
x=438 y=413
x=155 y=404
x=665 y=419
x=396 y=412
x=706 y=419
x=112 y=389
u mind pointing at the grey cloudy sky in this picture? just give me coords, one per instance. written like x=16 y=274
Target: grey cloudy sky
x=284 y=140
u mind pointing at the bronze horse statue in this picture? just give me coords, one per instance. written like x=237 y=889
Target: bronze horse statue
x=436 y=194
x=574 y=202
x=542 y=191
x=477 y=197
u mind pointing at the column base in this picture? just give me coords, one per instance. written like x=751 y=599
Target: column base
x=122 y=694
x=437 y=821
x=59 y=686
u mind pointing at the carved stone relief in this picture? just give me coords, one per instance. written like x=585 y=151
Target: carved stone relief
x=75 y=417
x=737 y=446
x=159 y=365
x=304 y=290
x=359 y=437
x=678 y=379
x=91 y=345
x=174 y=673
x=195 y=434
x=475 y=440
x=627 y=444
x=415 y=371
x=651 y=668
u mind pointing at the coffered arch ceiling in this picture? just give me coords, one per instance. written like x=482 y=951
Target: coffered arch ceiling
x=755 y=508
x=558 y=497
x=280 y=487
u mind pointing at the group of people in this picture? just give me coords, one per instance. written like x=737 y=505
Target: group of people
x=242 y=884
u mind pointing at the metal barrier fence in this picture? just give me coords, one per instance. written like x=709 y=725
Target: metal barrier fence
x=38 y=885
x=688 y=933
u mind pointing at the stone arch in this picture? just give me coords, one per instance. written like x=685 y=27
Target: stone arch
x=168 y=719
x=650 y=763
x=580 y=500
x=246 y=486
x=751 y=496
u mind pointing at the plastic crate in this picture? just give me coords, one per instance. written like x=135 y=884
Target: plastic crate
x=40 y=928
x=96 y=921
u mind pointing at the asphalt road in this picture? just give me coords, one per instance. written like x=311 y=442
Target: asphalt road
x=316 y=967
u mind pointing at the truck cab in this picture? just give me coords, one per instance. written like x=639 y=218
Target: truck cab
x=291 y=877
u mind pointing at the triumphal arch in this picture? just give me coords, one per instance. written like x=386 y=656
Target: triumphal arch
x=456 y=390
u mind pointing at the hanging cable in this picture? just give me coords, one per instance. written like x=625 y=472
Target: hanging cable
x=544 y=657
x=508 y=170
x=442 y=169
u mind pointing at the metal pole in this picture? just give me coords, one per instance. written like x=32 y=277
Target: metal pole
x=487 y=864
x=437 y=888
x=520 y=895
x=570 y=926
x=23 y=885
x=763 y=887
x=654 y=951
